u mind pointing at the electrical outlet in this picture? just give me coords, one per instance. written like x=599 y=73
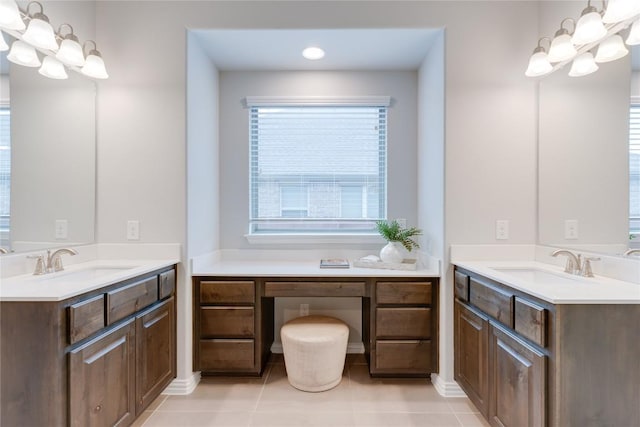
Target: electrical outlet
x=133 y=230
x=571 y=229
x=304 y=310
x=502 y=229
x=62 y=229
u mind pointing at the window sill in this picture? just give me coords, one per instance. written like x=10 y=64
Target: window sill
x=312 y=238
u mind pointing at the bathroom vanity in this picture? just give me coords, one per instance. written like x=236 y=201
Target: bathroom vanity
x=532 y=350
x=95 y=356
x=234 y=324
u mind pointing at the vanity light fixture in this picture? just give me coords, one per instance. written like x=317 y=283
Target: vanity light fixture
x=313 y=53
x=39 y=32
x=39 y=36
x=53 y=68
x=94 y=65
x=583 y=64
x=590 y=27
x=611 y=49
x=634 y=35
x=3 y=44
x=591 y=32
x=539 y=64
x=70 y=52
x=10 y=16
x=24 y=54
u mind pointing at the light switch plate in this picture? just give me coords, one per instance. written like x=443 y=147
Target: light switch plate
x=571 y=229
x=502 y=229
x=62 y=229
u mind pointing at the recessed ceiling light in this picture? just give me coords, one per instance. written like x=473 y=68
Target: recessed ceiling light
x=313 y=53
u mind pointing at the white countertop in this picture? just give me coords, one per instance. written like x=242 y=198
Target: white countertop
x=71 y=282
x=297 y=268
x=575 y=290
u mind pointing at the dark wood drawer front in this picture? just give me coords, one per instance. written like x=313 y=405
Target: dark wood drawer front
x=167 y=283
x=415 y=293
x=125 y=301
x=414 y=322
x=222 y=292
x=85 y=318
x=461 y=288
x=226 y=355
x=314 y=289
x=403 y=356
x=531 y=321
x=494 y=302
x=231 y=322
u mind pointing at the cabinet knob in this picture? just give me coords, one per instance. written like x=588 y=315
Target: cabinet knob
x=98 y=408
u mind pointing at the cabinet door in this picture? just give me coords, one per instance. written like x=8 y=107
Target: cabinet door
x=102 y=379
x=517 y=381
x=155 y=352
x=471 y=347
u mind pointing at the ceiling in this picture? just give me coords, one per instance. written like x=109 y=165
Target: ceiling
x=346 y=49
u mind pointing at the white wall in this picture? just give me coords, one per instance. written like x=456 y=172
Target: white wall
x=234 y=134
x=490 y=118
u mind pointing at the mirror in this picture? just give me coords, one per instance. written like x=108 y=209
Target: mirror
x=583 y=159
x=53 y=156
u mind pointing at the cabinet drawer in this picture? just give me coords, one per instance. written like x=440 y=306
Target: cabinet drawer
x=232 y=322
x=414 y=322
x=403 y=356
x=127 y=300
x=494 y=302
x=461 y=288
x=226 y=355
x=416 y=293
x=85 y=318
x=167 y=284
x=227 y=292
x=531 y=321
x=314 y=289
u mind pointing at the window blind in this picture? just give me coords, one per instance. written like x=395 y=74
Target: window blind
x=5 y=174
x=317 y=168
x=634 y=168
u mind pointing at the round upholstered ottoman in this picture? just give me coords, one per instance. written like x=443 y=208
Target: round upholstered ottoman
x=314 y=351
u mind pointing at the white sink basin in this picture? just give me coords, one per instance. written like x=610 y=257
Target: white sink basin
x=87 y=273
x=537 y=276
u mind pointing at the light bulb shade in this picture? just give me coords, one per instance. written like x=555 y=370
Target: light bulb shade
x=583 y=64
x=40 y=34
x=22 y=53
x=611 y=49
x=10 y=16
x=589 y=29
x=53 y=69
x=562 y=49
x=3 y=44
x=634 y=35
x=70 y=53
x=539 y=65
x=620 y=10
x=94 y=66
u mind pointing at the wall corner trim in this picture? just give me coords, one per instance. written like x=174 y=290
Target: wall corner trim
x=446 y=388
x=183 y=386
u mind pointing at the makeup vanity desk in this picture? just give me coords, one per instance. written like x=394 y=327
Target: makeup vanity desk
x=233 y=308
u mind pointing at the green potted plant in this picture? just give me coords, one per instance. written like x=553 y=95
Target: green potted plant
x=397 y=237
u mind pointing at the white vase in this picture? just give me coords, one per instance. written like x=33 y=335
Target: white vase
x=392 y=252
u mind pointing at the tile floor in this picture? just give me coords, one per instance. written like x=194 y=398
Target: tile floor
x=358 y=400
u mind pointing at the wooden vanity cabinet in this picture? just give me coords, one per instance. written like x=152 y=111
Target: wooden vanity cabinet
x=65 y=363
x=525 y=362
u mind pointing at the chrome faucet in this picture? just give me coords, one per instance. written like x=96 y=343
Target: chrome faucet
x=574 y=262
x=54 y=260
x=630 y=252
x=3 y=250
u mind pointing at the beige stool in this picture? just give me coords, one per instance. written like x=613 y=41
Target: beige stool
x=314 y=349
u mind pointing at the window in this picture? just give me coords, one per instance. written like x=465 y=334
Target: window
x=5 y=175
x=634 y=169
x=317 y=168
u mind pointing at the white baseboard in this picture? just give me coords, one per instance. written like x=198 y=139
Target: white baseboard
x=183 y=386
x=352 y=348
x=446 y=388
